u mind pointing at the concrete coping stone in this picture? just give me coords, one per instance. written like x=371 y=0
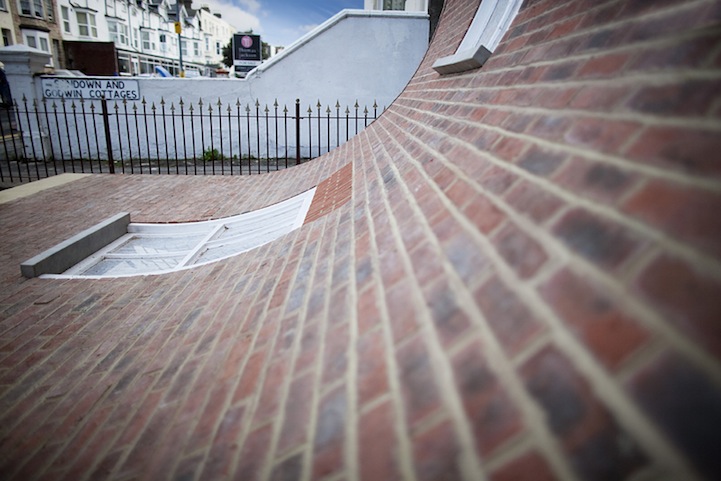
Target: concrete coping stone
x=66 y=254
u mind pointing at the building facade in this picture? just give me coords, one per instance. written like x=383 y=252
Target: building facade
x=125 y=37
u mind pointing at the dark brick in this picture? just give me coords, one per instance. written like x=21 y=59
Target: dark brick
x=511 y=321
x=288 y=470
x=688 y=299
x=523 y=254
x=417 y=381
x=527 y=467
x=489 y=409
x=686 y=406
x=437 y=455
x=684 y=213
x=598 y=240
x=541 y=162
x=596 y=446
x=592 y=315
x=330 y=434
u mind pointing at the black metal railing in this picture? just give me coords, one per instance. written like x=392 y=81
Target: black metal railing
x=50 y=137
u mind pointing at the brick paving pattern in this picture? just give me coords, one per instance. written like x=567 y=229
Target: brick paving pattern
x=524 y=284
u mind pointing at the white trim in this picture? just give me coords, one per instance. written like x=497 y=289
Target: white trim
x=492 y=20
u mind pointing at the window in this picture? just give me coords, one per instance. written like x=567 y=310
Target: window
x=49 y=11
x=32 y=8
x=184 y=47
x=36 y=39
x=3 y=6
x=86 y=24
x=492 y=20
x=136 y=37
x=65 y=13
x=7 y=37
x=147 y=249
x=394 y=4
x=217 y=48
x=196 y=49
x=148 y=41
x=118 y=33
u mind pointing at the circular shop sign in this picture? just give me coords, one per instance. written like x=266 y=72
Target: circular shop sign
x=246 y=41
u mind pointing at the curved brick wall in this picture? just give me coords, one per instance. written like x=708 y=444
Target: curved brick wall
x=524 y=283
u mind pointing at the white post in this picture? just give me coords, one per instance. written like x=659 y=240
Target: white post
x=23 y=65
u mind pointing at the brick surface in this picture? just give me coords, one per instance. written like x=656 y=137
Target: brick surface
x=513 y=273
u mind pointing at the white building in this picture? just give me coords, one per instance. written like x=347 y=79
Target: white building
x=144 y=33
x=406 y=5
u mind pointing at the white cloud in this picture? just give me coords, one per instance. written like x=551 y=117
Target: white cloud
x=241 y=18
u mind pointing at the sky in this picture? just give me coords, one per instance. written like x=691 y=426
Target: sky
x=279 y=22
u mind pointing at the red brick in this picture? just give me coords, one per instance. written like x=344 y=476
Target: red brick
x=420 y=393
x=587 y=431
x=436 y=454
x=681 y=212
x=529 y=466
x=596 y=180
x=377 y=443
x=484 y=214
x=600 y=134
x=251 y=374
x=368 y=312
x=533 y=201
x=686 y=405
x=335 y=358
x=511 y=321
x=523 y=254
x=402 y=316
x=685 y=297
x=308 y=346
x=593 y=316
x=692 y=151
x=372 y=369
x=599 y=240
x=298 y=407
x=492 y=415
x=599 y=98
x=330 y=434
x=253 y=454
x=269 y=400
x=224 y=446
x=604 y=66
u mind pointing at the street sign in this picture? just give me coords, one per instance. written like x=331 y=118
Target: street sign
x=247 y=51
x=90 y=88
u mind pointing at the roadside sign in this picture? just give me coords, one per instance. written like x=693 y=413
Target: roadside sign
x=90 y=88
x=247 y=51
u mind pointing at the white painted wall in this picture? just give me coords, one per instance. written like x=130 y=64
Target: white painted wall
x=356 y=55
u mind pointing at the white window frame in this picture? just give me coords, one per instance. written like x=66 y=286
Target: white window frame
x=3 y=6
x=32 y=8
x=40 y=39
x=492 y=20
x=118 y=33
x=65 y=14
x=90 y=25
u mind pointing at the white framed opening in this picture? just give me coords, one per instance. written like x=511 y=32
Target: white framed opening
x=151 y=249
x=492 y=20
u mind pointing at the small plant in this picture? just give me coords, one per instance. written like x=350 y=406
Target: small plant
x=210 y=155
